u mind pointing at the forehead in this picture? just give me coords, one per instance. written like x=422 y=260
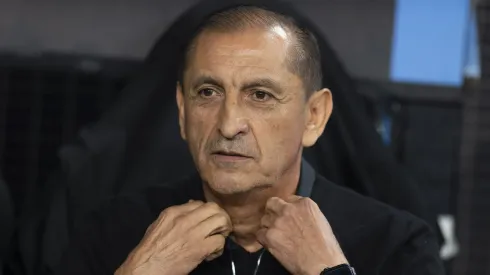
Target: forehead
x=249 y=51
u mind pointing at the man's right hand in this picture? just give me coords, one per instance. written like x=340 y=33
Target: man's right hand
x=179 y=240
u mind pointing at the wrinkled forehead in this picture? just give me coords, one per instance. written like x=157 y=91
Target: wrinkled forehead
x=249 y=51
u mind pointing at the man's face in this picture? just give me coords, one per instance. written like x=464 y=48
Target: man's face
x=242 y=111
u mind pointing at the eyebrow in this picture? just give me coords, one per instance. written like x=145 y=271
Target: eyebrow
x=264 y=82
x=206 y=79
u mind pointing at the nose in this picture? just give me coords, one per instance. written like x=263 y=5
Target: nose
x=232 y=122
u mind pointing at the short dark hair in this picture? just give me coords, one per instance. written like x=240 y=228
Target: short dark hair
x=305 y=59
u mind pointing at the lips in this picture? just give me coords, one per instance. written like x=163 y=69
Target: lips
x=230 y=154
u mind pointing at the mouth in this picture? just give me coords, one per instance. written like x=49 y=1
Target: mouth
x=229 y=156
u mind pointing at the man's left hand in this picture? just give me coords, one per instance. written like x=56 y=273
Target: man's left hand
x=298 y=235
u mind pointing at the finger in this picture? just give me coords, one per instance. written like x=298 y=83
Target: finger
x=219 y=223
x=294 y=198
x=275 y=205
x=178 y=210
x=213 y=245
x=214 y=255
x=189 y=206
x=172 y=213
x=267 y=220
x=150 y=228
x=270 y=238
x=261 y=235
x=204 y=211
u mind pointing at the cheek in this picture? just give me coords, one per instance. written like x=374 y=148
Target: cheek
x=199 y=124
x=279 y=134
x=195 y=128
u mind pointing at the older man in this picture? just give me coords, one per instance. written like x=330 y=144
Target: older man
x=250 y=99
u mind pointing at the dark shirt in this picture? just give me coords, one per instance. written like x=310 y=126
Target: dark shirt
x=375 y=238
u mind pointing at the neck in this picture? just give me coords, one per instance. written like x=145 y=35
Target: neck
x=246 y=209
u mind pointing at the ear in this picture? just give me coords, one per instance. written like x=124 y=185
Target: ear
x=181 y=106
x=318 y=110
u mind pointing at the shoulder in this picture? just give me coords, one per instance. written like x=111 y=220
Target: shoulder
x=363 y=225
x=148 y=201
x=153 y=198
x=352 y=211
x=108 y=234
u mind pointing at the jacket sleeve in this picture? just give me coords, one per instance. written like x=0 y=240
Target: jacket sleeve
x=104 y=238
x=418 y=254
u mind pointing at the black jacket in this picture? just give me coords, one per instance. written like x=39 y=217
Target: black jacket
x=376 y=239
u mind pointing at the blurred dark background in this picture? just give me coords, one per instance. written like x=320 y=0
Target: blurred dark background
x=63 y=63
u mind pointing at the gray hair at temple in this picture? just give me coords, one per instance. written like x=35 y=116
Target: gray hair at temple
x=304 y=60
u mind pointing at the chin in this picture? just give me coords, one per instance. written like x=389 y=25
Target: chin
x=231 y=183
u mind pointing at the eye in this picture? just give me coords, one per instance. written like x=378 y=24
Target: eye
x=261 y=96
x=207 y=92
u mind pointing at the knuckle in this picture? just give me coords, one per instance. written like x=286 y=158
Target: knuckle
x=212 y=206
x=197 y=203
x=270 y=235
x=289 y=210
x=222 y=220
x=168 y=212
x=274 y=199
x=264 y=220
x=219 y=253
x=178 y=220
x=216 y=245
x=221 y=243
x=278 y=223
x=311 y=204
x=151 y=227
x=271 y=201
x=307 y=201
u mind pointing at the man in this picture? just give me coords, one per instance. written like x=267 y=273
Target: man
x=249 y=100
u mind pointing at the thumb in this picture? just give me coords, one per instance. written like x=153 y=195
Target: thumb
x=261 y=236
x=293 y=198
